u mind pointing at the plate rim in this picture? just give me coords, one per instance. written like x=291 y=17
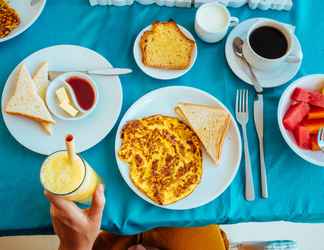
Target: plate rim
x=143 y=67
x=3 y=114
x=298 y=151
x=136 y=190
x=227 y=55
x=35 y=18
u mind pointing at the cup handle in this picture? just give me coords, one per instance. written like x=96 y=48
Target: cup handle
x=294 y=58
x=234 y=21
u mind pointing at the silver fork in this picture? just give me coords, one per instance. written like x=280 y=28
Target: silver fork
x=242 y=116
x=320 y=138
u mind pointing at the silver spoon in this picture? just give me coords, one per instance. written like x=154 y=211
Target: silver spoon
x=237 y=47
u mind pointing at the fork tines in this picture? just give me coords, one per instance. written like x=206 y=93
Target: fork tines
x=242 y=100
x=320 y=138
x=321 y=134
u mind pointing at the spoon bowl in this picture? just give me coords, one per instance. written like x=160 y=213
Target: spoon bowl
x=238 y=51
x=238 y=46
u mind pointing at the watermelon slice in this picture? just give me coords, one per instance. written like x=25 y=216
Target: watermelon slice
x=300 y=95
x=316 y=113
x=313 y=125
x=312 y=97
x=314 y=144
x=295 y=114
x=303 y=137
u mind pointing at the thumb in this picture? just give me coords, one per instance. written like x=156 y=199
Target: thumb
x=98 y=203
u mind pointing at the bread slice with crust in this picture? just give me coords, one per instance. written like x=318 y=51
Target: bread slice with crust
x=166 y=46
x=26 y=101
x=209 y=123
x=41 y=81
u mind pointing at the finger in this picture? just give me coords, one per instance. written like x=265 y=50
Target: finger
x=60 y=218
x=55 y=219
x=98 y=203
x=61 y=224
x=55 y=214
x=53 y=211
x=64 y=206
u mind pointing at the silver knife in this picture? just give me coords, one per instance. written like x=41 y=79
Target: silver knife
x=104 y=72
x=258 y=120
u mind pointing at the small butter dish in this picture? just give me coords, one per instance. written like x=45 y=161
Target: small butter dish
x=72 y=96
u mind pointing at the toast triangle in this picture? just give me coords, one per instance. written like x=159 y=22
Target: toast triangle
x=41 y=81
x=40 y=78
x=209 y=123
x=26 y=101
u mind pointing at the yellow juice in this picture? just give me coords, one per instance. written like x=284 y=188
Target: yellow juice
x=73 y=180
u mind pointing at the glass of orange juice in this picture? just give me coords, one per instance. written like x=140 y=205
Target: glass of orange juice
x=73 y=180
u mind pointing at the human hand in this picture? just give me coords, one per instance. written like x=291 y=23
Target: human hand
x=77 y=229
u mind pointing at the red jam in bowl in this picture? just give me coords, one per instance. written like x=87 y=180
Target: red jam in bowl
x=83 y=90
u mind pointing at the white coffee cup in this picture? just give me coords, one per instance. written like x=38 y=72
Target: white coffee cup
x=262 y=63
x=212 y=22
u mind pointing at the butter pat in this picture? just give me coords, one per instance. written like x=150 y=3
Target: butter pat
x=62 y=95
x=68 y=108
x=65 y=102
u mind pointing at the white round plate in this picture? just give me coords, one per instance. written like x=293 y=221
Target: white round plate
x=267 y=79
x=215 y=179
x=28 y=15
x=88 y=131
x=162 y=74
x=307 y=82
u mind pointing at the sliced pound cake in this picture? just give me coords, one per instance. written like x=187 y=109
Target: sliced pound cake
x=165 y=46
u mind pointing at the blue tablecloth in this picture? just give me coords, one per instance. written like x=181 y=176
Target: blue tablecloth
x=296 y=187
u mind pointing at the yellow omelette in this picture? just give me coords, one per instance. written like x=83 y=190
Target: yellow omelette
x=164 y=157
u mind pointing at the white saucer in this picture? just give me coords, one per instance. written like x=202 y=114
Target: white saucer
x=268 y=79
x=162 y=74
x=90 y=130
x=28 y=14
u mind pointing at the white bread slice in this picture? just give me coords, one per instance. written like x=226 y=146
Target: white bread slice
x=209 y=123
x=41 y=81
x=26 y=101
x=40 y=78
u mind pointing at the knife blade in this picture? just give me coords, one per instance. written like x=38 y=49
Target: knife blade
x=104 y=72
x=258 y=121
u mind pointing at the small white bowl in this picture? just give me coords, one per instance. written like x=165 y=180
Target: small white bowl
x=52 y=101
x=307 y=82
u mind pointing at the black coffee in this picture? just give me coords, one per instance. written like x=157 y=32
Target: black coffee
x=268 y=42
